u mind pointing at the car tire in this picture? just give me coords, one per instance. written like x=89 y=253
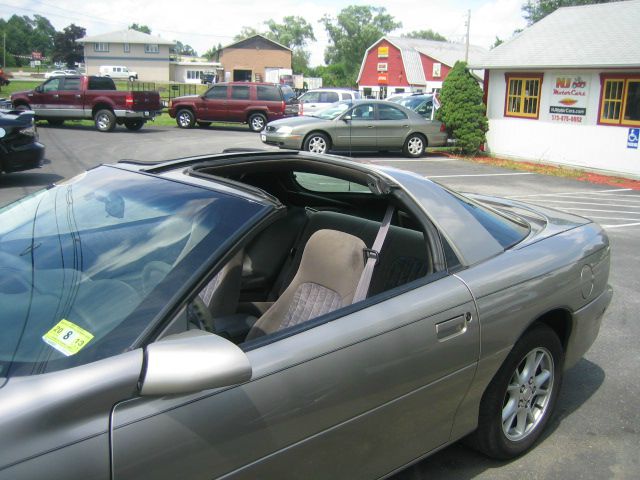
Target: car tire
x=519 y=398
x=57 y=122
x=316 y=143
x=414 y=146
x=105 y=120
x=131 y=79
x=185 y=118
x=257 y=122
x=22 y=107
x=204 y=124
x=133 y=125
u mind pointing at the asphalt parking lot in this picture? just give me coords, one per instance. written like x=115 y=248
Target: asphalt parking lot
x=595 y=432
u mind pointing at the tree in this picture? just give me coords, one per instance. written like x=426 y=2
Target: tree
x=293 y=32
x=246 y=32
x=462 y=110
x=213 y=54
x=425 y=35
x=65 y=47
x=140 y=28
x=354 y=30
x=535 y=10
x=182 y=49
x=25 y=35
x=498 y=41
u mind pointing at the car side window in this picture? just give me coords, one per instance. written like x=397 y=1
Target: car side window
x=71 y=84
x=346 y=96
x=240 y=92
x=216 y=92
x=268 y=93
x=362 y=112
x=52 y=85
x=329 y=97
x=425 y=109
x=389 y=112
x=310 y=97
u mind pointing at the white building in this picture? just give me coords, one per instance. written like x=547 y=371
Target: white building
x=148 y=55
x=567 y=90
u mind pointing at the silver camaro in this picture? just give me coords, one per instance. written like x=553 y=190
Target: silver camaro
x=357 y=125
x=281 y=315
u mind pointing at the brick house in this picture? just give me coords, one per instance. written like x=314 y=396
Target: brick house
x=397 y=64
x=148 y=55
x=250 y=59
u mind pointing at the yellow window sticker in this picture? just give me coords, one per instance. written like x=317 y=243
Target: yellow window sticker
x=67 y=337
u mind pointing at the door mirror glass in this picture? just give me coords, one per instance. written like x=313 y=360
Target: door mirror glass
x=192 y=361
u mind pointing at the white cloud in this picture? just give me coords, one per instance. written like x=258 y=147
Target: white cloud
x=203 y=24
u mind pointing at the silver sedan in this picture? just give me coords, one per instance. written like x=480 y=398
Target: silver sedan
x=259 y=315
x=357 y=125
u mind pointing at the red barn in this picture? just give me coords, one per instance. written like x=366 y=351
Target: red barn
x=397 y=64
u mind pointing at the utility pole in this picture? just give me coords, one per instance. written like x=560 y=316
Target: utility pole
x=466 y=50
x=4 y=49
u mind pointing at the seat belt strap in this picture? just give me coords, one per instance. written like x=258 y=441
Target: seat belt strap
x=371 y=257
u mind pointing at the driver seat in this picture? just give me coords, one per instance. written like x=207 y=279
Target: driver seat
x=326 y=280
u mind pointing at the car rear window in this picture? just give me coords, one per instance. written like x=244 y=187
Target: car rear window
x=329 y=97
x=287 y=93
x=268 y=93
x=101 y=83
x=387 y=112
x=71 y=84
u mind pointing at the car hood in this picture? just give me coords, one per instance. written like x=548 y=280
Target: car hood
x=300 y=121
x=20 y=93
x=185 y=97
x=13 y=118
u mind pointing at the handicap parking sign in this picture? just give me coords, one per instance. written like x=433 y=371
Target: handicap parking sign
x=633 y=138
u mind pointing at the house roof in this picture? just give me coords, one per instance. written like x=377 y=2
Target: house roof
x=447 y=53
x=239 y=43
x=126 y=36
x=601 y=35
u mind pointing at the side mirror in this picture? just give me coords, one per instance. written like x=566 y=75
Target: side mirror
x=192 y=361
x=346 y=117
x=38 y=89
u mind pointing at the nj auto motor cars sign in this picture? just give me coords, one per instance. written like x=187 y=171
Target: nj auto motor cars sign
x=569 y=97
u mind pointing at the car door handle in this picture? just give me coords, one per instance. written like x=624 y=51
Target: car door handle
x=453 y=327
x=55 y=95
x=78 y=95
x=405 y=126
x=369 y=126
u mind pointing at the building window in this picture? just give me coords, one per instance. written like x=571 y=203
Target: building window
x=100 y=47
x=523 y=95
x=126 y=48
x=620 y=100
x=194 y=74
x=436 y=71
x=383 y=67
x=151 y=48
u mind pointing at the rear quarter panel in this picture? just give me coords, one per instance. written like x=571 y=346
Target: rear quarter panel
x=517 y=287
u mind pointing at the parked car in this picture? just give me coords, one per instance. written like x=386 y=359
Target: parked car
x=19 y=146
x=357 y=125
x=207 y=78
x=241 y=102
x=78 y=97
x=213 y=317
x=117 y=71
x=319 y=98
x=55 y=73
x=419 y=103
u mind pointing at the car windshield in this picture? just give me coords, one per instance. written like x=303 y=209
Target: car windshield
x=333 y=111
x=88 y=265
x=411 y=102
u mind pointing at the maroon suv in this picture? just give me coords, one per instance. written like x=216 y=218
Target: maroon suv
x=243 y=102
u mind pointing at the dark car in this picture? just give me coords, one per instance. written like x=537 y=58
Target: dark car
x=419 y=103
x=241 y=102
x=19 y=146
x=207 y=78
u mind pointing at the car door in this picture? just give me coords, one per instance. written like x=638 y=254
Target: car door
x=392 y=126
x=238 y=103
x=70 y=98
x=45 y=99
x=215 y=103
x=357 y=129
x=355 y=397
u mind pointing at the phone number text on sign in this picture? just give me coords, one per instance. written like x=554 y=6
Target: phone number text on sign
x=566 y=118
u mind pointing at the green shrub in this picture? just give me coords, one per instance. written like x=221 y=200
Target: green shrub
x=462 y=110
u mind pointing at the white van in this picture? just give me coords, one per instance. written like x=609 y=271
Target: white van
x=319 y=98
x=117 y=71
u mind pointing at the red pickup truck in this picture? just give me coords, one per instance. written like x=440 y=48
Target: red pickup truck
x=80 y=97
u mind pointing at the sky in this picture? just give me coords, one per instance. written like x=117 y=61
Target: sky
x=205 y=23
